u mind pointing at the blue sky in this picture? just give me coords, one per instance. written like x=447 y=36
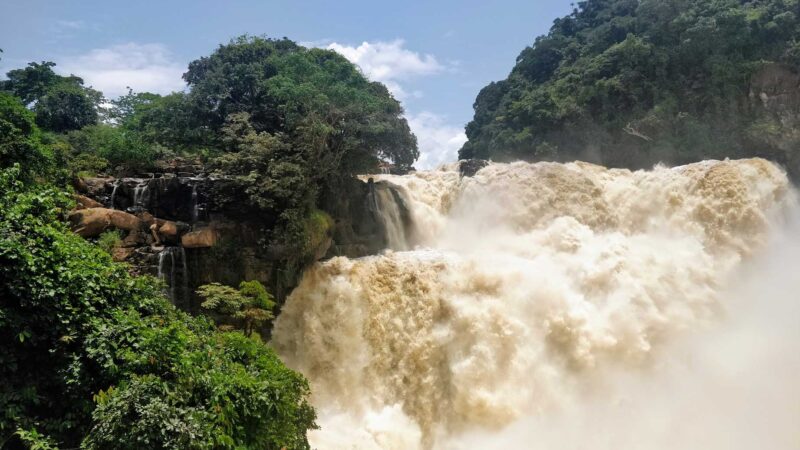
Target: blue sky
x=434 y=55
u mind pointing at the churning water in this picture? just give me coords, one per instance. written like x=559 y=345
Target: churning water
x=563 y=306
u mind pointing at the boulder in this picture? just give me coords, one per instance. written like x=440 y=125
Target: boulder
x=469 y=167
x=83 y=202
x=147 y=218
x=125 y=221
x=134 y=239
x=168 y=229
x=90 y=222
x=94 y=186
x=120 y=254
x=202 y=238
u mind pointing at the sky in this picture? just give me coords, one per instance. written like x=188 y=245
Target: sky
x=434 y=55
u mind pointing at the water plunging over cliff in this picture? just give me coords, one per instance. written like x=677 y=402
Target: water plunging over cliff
x=172 y=269
x=548 y=306
x=389 y=209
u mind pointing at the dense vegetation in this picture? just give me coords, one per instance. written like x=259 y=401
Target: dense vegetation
x=633 y=82
x=96 y=358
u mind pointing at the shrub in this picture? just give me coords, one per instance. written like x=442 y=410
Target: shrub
x=110 y=239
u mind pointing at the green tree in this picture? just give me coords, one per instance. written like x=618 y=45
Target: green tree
x=114 y=144
x=61 y=103
x=251 y=305
x=20 y=138
x=33 y=81
x=65 y=107
x=342 y=122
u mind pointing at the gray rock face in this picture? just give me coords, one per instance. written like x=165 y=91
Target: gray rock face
x=190 y=232
x=775 y=97
x=469 y=167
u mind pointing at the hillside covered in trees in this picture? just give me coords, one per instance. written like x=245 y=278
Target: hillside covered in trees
x=630 y=83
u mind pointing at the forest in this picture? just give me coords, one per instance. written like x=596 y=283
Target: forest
x=629 y=83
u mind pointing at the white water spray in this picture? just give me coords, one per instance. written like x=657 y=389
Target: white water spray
x=562 y=306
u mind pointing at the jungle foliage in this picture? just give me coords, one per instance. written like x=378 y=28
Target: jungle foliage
x=633 y=82
x=96 y=358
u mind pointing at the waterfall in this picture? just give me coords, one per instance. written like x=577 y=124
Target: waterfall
x=557 y=306
x=184 y=276
x=194 y=203
x=140 y=194
x=170 y=259
x=114 y=194
x=388 y=209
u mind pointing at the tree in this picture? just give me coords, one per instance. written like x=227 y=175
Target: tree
x=65 y=107
x=33 y=81
x=342 y=122
x=61 y=103
x=114 y=144
x=251 y=305
x=19 y=138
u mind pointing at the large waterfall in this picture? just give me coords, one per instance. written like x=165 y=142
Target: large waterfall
x=562 y=306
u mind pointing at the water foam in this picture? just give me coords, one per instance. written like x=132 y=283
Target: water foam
x=533 y=289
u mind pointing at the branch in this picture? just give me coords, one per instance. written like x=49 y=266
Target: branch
x=633 y=132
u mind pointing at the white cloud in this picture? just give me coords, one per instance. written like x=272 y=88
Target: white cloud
x=70 y=24
x=390 y=63
x=438 y=141
x=393 y=65
x=143 y=67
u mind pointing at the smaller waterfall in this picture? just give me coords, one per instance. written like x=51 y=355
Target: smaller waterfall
x=390 y=214
x=171 y=268
x=194 y=203
x=140 y=194
x=185 y=275
x=114 y=194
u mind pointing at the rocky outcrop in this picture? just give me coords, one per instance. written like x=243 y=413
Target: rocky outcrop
x=189 y=229
x=90 y=222
x=202 y=238
x=469 y=167
x=358 y=230
x=93 y=187
x=775 y=95
x=83 y=202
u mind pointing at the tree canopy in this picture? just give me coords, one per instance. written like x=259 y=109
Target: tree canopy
x=629 y=83
x=61 y=103
x=20 y=141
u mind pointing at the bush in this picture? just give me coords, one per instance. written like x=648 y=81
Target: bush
x=116 y=145
x=110 y=239
x=250 y=306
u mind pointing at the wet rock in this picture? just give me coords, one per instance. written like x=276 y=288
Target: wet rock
x=94 y=187
x=168 y=230
x=469 y=167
